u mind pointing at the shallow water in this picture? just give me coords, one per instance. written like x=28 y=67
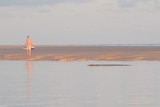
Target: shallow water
x=75 y=84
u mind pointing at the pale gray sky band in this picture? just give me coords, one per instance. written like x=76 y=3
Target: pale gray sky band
x=80 y=21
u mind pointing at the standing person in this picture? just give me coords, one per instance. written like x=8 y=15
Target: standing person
x=29 y=46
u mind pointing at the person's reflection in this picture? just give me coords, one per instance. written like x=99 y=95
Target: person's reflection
x=29 y=77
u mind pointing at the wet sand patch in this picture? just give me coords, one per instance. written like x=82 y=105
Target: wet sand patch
x=82 y=53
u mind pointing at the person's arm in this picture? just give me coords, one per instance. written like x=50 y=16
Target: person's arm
x=26 y=43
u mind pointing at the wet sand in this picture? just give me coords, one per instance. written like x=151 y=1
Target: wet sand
x=81 y=53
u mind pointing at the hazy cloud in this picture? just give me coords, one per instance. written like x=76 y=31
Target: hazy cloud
x=35 y=2
x=127 y=3
x=135 y=3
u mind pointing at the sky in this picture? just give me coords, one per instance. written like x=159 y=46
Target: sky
x=80 y=22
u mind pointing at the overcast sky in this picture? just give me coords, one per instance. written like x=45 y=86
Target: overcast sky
x=80 y=21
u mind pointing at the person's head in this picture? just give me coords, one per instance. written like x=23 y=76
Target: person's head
x=28 y=36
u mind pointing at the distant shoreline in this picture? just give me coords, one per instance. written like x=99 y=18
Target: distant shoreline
x=81 y=53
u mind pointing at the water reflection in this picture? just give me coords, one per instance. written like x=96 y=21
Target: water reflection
x=29 y=77
x=70 y=84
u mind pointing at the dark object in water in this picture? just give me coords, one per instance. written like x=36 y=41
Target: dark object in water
x=108 y=65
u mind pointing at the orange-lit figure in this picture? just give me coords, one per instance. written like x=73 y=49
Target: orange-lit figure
x=28 y=46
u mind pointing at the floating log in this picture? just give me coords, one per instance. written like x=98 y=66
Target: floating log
x=109 y=65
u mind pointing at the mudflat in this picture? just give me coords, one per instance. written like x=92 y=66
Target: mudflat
x=81 y=53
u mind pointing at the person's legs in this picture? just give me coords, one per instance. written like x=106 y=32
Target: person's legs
x=28 y=51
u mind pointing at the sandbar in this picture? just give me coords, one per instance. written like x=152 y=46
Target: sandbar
x=81 y=53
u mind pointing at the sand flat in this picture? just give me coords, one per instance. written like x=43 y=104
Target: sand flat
x=78 y=53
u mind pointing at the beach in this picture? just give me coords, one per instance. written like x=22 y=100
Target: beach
x=81 y=53
x=81 y=76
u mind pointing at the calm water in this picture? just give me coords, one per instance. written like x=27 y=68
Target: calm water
x=74 y=84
